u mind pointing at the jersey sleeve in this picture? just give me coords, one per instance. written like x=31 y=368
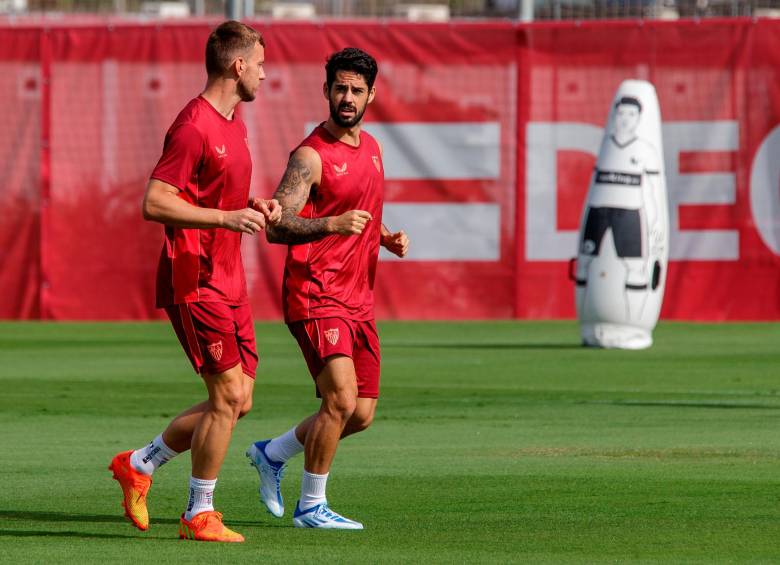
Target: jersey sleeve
x=652 y=160
x=182 y=154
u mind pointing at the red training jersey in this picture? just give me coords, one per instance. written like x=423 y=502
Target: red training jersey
x=206 y=156
x=334 y=276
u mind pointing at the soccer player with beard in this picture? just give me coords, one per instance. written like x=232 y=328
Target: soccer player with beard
x=200 y=191
x=331 y=196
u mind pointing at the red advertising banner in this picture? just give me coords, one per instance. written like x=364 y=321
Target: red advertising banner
x=489 y=131
x=717 y=88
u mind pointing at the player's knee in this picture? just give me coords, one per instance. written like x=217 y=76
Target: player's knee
x=246 y=407
x=341 y=403
x=361 y=422
x=229 y=399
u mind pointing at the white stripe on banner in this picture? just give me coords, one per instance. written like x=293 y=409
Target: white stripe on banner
x=448 y=151
x=446 y=232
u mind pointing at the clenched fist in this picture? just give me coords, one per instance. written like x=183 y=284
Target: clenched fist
x=247 y=221
x=350 y=223
x=271 y=209
x=396 y=243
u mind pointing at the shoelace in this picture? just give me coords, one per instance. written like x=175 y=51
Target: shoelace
x=213 y=515
x=278 y=472
x=330 y=514
x=141 y=485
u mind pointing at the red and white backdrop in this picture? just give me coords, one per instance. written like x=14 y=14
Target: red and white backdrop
x=490 y=132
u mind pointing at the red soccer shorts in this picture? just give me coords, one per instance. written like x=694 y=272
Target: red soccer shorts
x=324 y=337
x=215 y=336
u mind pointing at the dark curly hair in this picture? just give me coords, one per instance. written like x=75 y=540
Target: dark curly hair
x=351 y=59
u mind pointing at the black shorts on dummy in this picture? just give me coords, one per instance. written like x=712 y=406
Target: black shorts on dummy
x=626 y=231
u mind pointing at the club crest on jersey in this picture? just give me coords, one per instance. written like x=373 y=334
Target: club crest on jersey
x=332 y=336
x=375 y=159
x=215 y=350
x=340 y=171
x=221 y=151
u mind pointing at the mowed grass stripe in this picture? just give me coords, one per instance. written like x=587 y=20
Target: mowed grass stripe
x=494 y=442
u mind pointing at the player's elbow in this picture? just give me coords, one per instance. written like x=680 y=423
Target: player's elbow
x=151 y=209
x=146 y=211
x=158 y=203
x=150 y=212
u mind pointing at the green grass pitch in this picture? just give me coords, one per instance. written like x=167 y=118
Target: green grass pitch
x=497 y=442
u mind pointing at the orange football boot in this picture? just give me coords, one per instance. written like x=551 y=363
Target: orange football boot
x=134 y=485
x=207 y=526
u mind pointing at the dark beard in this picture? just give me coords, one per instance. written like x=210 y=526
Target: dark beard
x=341 y=122
x=244 y=94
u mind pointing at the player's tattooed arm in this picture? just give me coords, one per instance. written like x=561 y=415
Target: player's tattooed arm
x=304 y=171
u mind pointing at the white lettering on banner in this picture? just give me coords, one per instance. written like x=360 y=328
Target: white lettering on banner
x=443 y=151
x=446 y=232
x=764 y=193
x=700 y=188
x=544 y=242
x=446 y=151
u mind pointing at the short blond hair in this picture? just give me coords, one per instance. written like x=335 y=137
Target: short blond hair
x=229 y=40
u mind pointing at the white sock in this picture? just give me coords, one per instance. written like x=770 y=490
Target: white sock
x=284 y=447
x=312 y=489
x=147 y=459
x=201 y=497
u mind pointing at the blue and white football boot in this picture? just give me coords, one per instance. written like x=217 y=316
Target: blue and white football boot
x=321 y=516
x=271 y=474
